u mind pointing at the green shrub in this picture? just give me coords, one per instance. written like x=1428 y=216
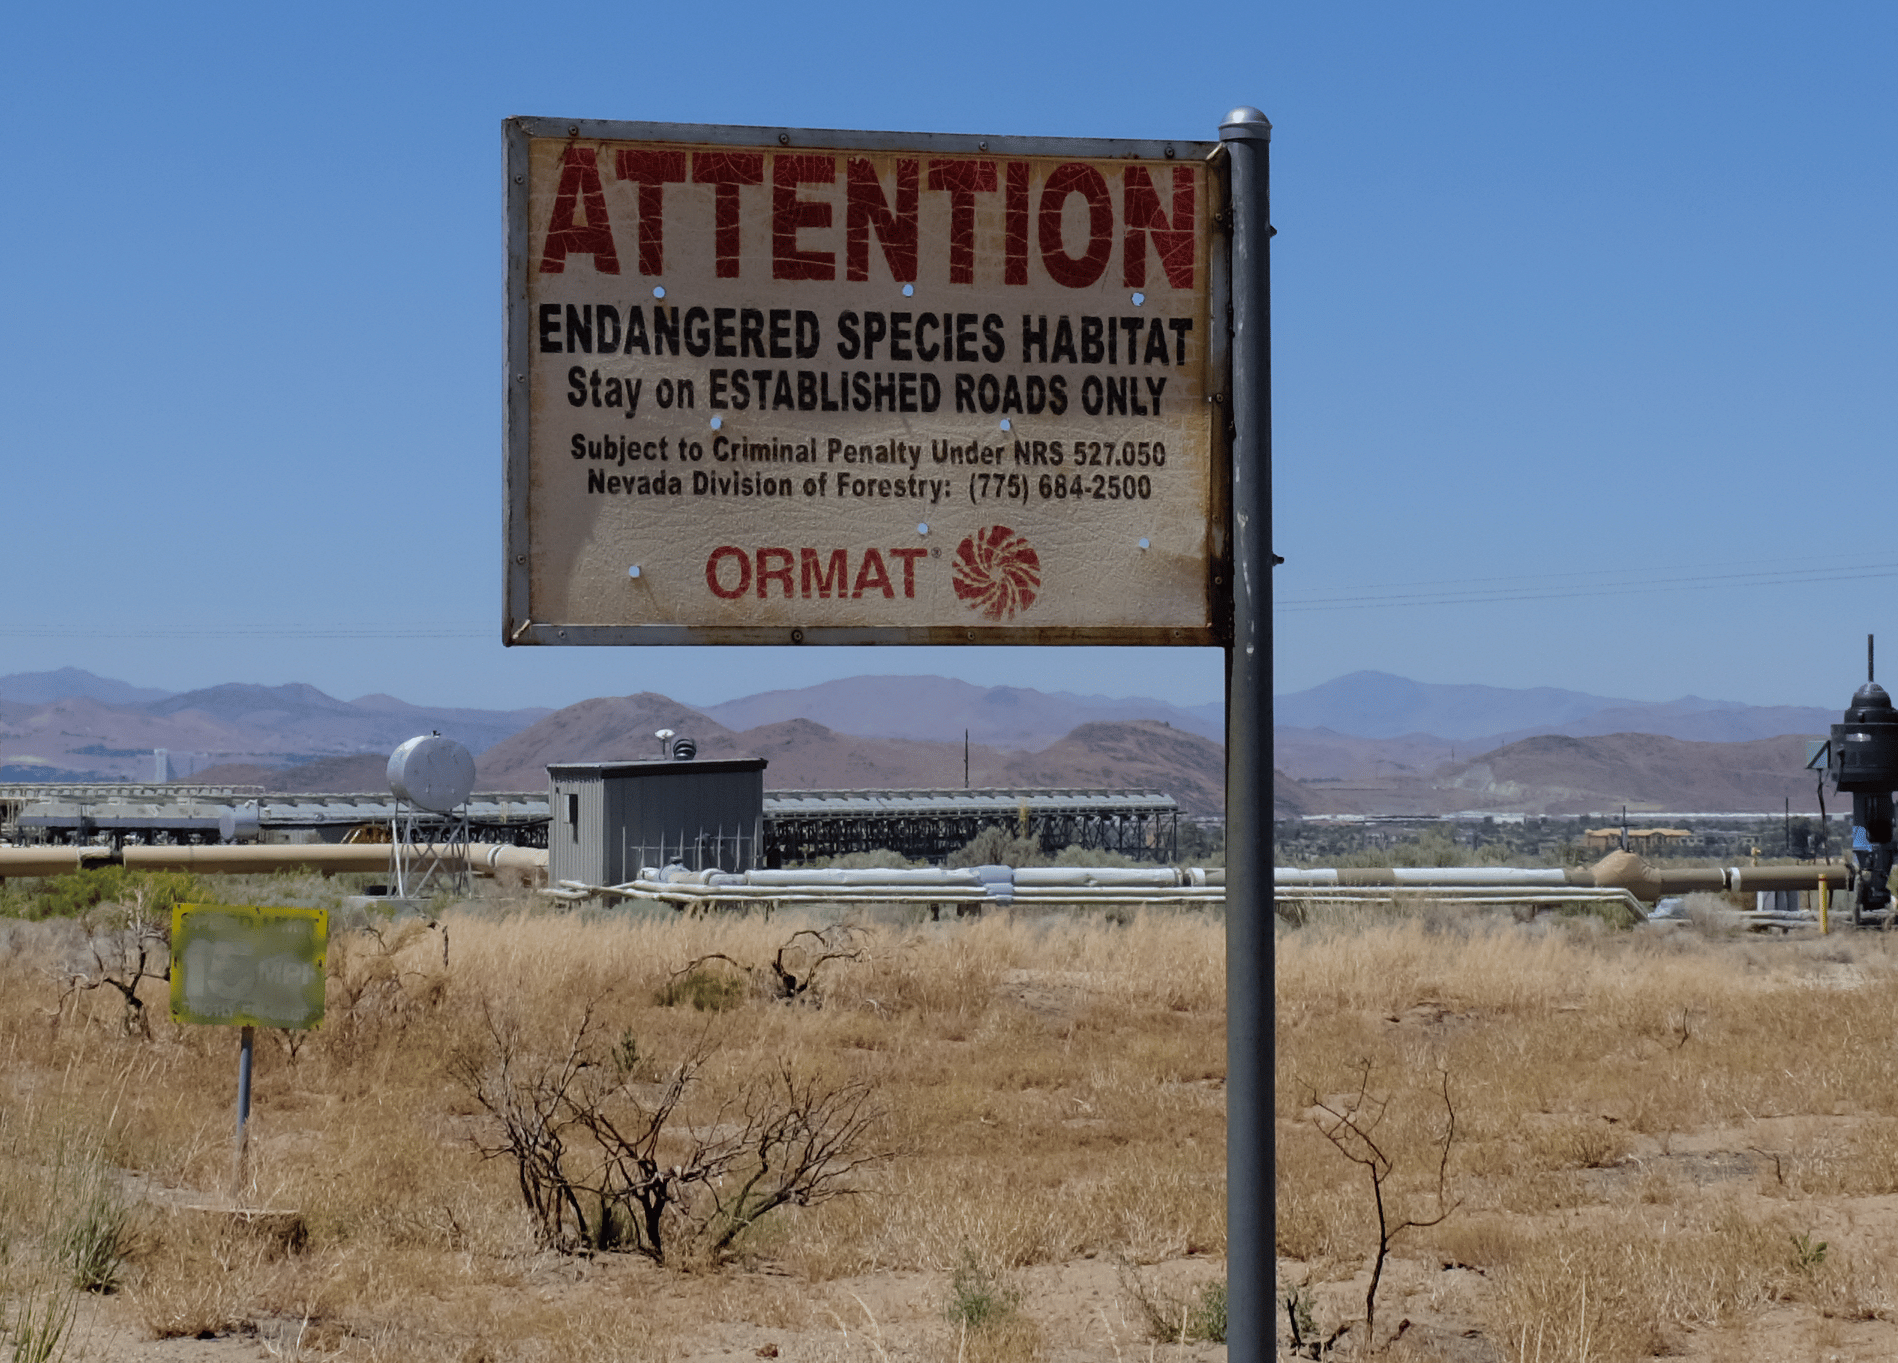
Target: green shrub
x=96 y=1236
x=998 y=846
x=978 y=1299
x=1197 y=1318
x=77 y=893
x=38 y=1325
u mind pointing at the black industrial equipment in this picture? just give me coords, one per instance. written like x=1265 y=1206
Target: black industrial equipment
x=1863 y=761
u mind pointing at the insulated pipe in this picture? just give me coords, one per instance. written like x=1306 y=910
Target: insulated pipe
x=51 y=861
x=238 y=859
x=1431 y=875
x=894 y=875
x=690 y=890
x=229 y=859
x=1746 y=879
x=1118 y=876
x=1626 y=871
x=1619 y=871
x=328 y=858
x=502 y=856
x=1479 y=897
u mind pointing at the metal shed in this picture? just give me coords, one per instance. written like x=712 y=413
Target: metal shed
x=611 y=818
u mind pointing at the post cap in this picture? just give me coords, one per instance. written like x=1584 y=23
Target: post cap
x=1245 y=122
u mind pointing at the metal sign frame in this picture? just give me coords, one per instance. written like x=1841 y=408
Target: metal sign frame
x=302 y=943
x=519 y=628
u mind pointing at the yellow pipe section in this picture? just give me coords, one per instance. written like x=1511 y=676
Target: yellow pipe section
x=1626 y=871
x=253 y=858
x=242 y=858
x=50 y=861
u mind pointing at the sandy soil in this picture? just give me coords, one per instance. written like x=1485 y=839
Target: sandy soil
x=1082 y=1307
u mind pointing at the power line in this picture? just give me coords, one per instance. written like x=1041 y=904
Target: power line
x=1557 y=591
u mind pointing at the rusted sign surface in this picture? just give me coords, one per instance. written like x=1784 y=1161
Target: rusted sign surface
x=772 y=387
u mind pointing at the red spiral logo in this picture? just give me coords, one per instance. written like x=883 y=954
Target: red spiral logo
x=997 y=572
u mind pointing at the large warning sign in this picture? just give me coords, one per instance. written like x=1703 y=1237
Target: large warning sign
x=789 y=386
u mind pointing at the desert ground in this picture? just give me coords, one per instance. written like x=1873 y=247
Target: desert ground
x=1675 y=1142
x=1591 y=1142
x=1034 y=1170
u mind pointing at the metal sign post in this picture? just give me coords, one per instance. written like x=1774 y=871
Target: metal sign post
x=246 y=1050
x=1251 y=1240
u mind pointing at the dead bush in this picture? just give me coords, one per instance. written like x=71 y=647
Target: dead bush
x=607 y=1158
x=129 y=942
x=789 y=976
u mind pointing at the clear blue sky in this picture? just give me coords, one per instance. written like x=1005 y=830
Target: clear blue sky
x=1584 y=325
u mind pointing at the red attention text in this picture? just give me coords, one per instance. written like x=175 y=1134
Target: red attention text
x=1146 y=211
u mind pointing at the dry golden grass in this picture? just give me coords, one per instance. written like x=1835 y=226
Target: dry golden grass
x=1663 y=1142
x=1053 y=1088
x=1660 y=1138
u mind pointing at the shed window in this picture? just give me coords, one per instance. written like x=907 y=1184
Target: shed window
x=573 y=816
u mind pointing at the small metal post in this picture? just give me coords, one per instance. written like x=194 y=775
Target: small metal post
x=246 y=1047
x=1251 y=1240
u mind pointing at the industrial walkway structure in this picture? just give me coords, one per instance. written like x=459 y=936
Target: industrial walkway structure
x=927 y=825
x=798 y=825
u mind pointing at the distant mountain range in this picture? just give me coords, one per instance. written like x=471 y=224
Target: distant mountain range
x=41 y=688
x=941 y=709
x=79 y=736
x=1369 y=742
x=1379 y=705
x=1373 y=743
x=806 y=755
x=855 y=733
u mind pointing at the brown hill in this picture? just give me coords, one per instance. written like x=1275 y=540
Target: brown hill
x=943 y=710
x=804 y=755
x=1552 y=774
x=230 y=774
x=606 y=729
x=1138 y=753
x=327 y=775
x=362 y=772
x=1292 y=797
x=1325 y=755
x=1143 y=754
